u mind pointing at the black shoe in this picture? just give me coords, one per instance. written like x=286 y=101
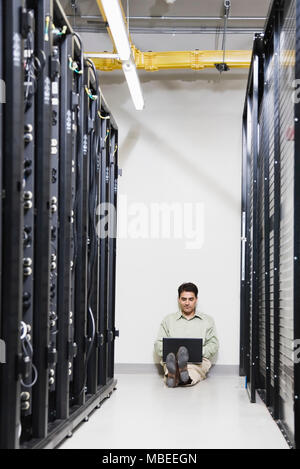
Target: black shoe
x=183 y=358
x=172 y=370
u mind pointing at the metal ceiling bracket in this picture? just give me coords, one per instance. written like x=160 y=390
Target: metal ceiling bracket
x=223 y=67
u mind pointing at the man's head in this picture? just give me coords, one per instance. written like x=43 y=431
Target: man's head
x=187 y=298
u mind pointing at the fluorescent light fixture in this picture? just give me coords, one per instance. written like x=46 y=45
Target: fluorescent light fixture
x=105 y=55
x=134 y=85
x=116 y=23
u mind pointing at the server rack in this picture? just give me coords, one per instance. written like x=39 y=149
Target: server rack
x=12 y=245
x=55 y=127
x=93 y=258
x=64 y=233
x=29 y=208
x=104 y=197
x=112 y=333
x=270 y=220
x=2 y=99
x=42 y=353
x=81 y=263
x=54 y=223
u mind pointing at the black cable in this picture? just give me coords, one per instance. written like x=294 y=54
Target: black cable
x=93 y=200
x=30 y=77
x=93 y=250
x=79 y=146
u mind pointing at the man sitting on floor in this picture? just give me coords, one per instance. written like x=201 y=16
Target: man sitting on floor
x=187 y=323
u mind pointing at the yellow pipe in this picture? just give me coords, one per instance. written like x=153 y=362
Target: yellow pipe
x=195 y=60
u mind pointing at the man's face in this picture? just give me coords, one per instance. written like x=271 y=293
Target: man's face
x=187 y=302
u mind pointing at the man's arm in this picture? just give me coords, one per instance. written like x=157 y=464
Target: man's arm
x=163 y=332
x=211 y=343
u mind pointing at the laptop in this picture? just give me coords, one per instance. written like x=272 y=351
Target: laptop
x=194 y=346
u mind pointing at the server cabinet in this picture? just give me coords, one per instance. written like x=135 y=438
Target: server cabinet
x=103 y=213
x=113 y=188
x=250 y=224
x=93 y=258
x=270 y=247
x=296 y=242
x=81 y=221
x=54 y=224
x=2 y=99
x=12 y=206
x=43 y=13
x=65 y=231
x=29 y=208
x=55 y=170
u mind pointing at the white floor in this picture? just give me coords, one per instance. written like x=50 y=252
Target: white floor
x=144 y=413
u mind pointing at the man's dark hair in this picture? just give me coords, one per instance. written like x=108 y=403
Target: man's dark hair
x=191 y=287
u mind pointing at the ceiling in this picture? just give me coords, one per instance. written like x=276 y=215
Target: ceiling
x=182 y=16
x=183 y=25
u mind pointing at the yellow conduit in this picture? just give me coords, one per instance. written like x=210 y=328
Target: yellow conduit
x=195 y=60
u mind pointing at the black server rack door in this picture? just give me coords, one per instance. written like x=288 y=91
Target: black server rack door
x=2 y=102
x=252 y=107
x=29 y=221
x=264 y=271
x=243 y=257
x=276 y=219
x=113 y=177
x=75 y=155
x=296 y=299
x=12 y=204
x=261 y=250
x=65 y=231
x=54 y=223
x=93 y=289
x=269 y=122
x=81 y=220
x=103 y=234
x=287 y=45
x=43 y=10
x=252 y=246
x=244 y=267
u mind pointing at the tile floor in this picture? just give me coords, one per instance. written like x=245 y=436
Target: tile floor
x=144 y=413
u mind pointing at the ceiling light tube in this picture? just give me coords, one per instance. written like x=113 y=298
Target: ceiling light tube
x=117 y=27
x=133 y=83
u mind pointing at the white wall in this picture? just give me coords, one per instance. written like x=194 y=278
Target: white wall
x=184 y=147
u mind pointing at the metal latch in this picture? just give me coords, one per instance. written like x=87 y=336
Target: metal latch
x=100 y=340
x=91 y=124
x=55 y=67
x=75 y=100
x=27 y=22
x=72 y=350
x=110 y=336
x=24 y=366
x=52 y=356
x=2 y=351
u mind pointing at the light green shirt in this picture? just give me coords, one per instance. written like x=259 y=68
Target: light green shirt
x=199 y=326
